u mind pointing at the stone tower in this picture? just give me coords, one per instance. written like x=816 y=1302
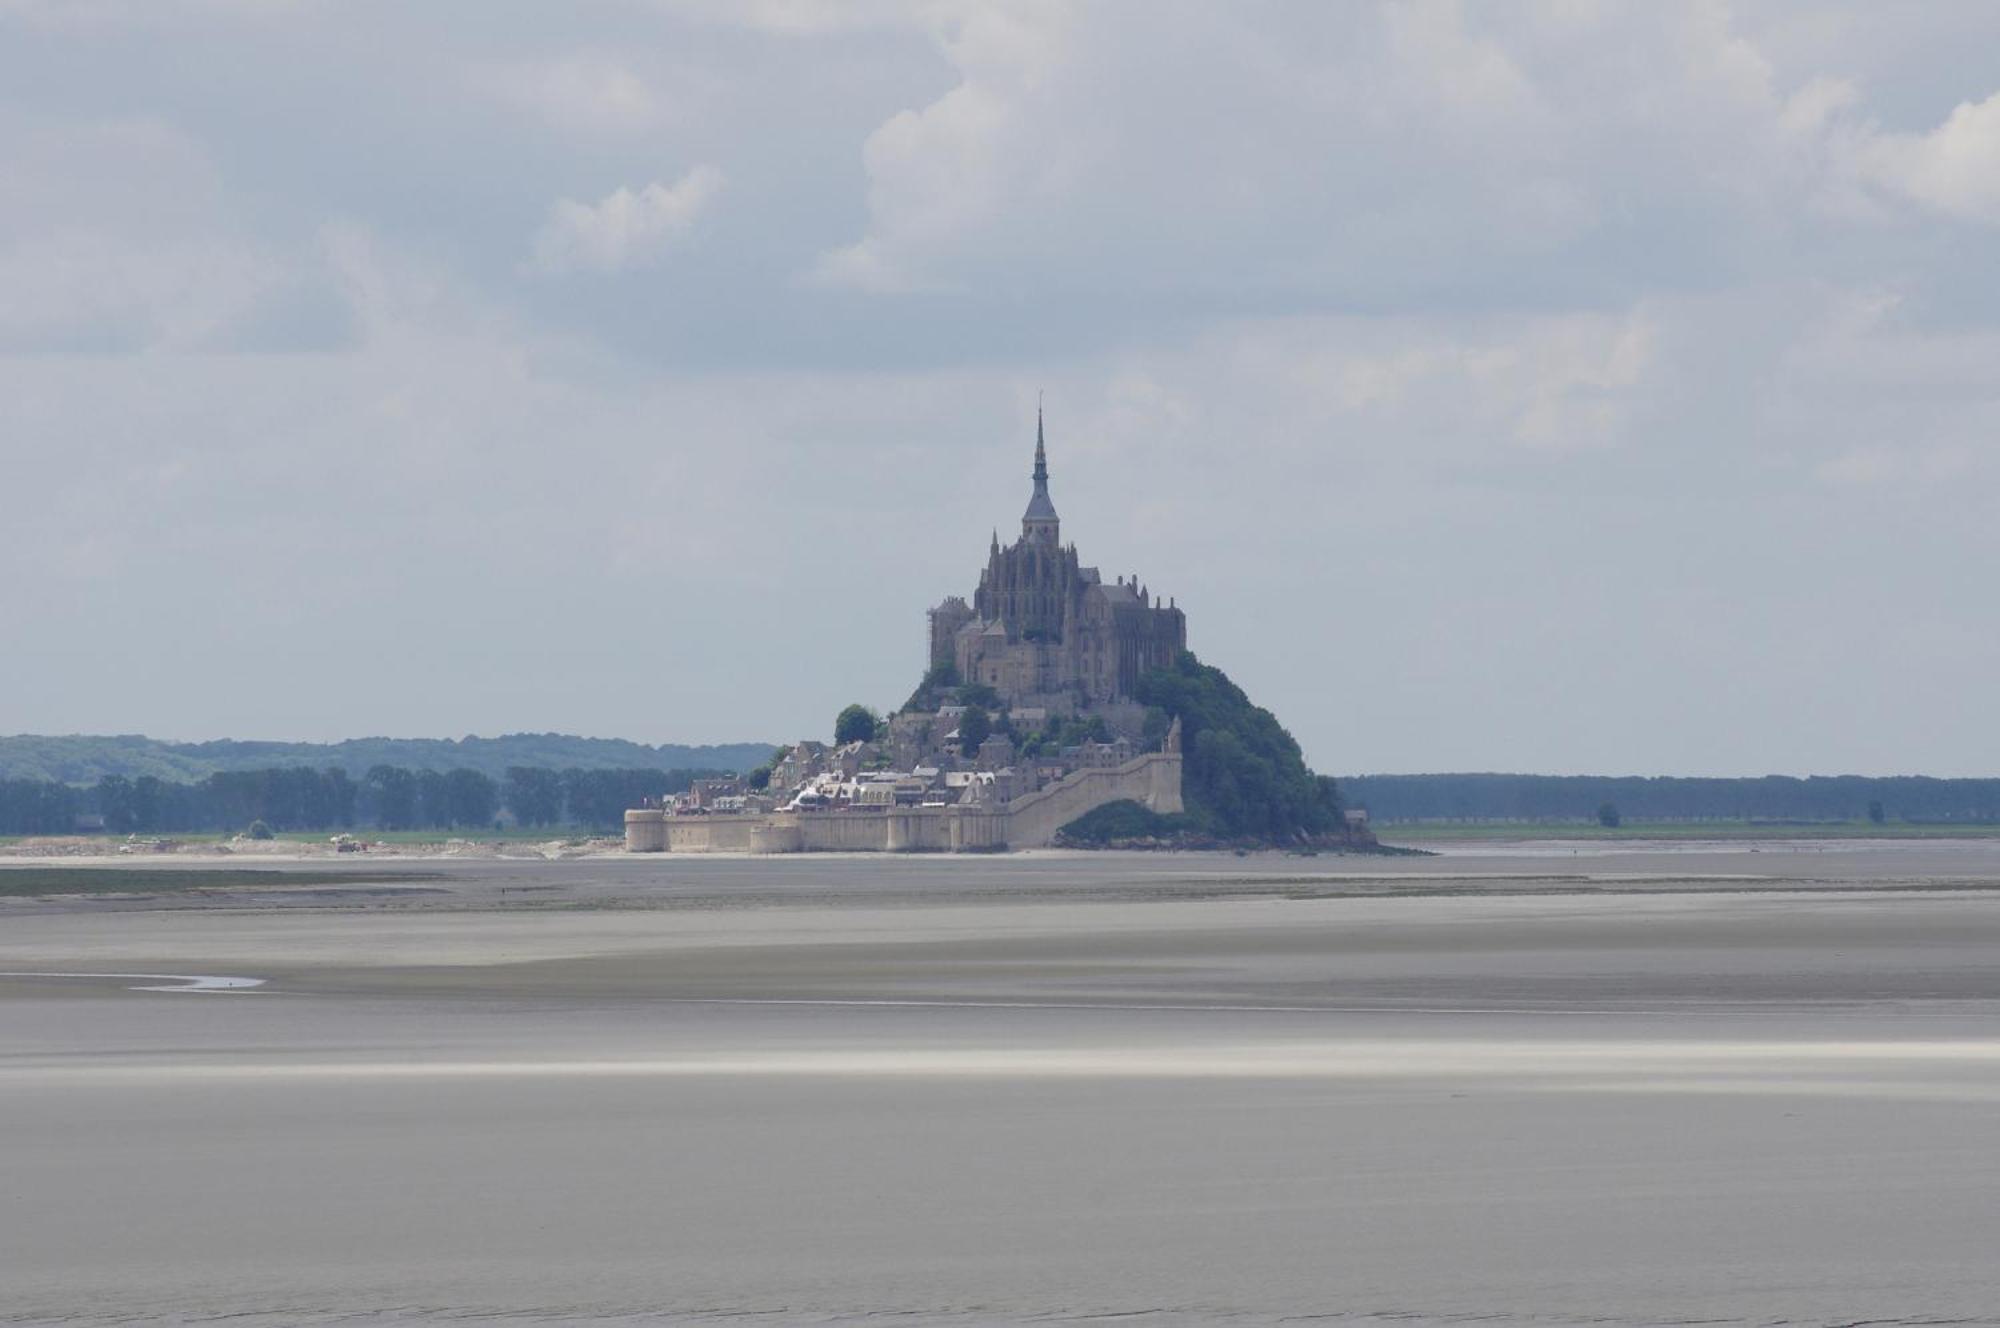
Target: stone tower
x=1043 y=630
x=945 y=620
x=1039 y=524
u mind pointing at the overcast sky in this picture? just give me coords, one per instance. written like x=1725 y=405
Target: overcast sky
x=1564 y=388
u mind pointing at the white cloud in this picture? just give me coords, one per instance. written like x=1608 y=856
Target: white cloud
x=119 y=235
x=1407 y=152
x=799 y=18
x=1577 y=381
x=1199 y=149
x=941 y=174
x=625 y=228
x=1193 y=147
x=1954 y=169
x=97 y=291
x=590 y=94
x=1437 y=396
x=1813 y=107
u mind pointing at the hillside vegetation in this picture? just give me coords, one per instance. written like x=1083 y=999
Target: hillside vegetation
x=82 y=759
x=1775 y=798
x=1243 y=777
x=1243 y=774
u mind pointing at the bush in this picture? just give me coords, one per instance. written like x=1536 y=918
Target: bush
x=1121 y=820
x=258 y=830
x=1059 y=733
x=979 y=694
x=938 y=680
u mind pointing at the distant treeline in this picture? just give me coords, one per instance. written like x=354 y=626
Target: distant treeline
x=1670 y=798
x=86 y=758
x=302 y=798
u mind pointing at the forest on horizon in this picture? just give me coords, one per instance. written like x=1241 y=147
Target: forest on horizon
x=1555 y=798
x=83 y=759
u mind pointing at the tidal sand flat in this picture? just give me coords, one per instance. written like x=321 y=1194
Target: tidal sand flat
x=1669 y=1085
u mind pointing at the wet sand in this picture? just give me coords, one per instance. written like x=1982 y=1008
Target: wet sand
x=1657 y=1086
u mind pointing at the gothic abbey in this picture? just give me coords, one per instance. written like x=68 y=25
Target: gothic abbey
x=1046 y=632
x=1054 y=644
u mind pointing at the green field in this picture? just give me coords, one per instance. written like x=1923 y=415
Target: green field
x=1434 y=832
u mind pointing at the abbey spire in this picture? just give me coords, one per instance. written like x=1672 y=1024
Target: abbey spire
x=1039 y=524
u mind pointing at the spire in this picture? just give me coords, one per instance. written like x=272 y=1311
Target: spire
x=1041 y=452
x=1039 y=524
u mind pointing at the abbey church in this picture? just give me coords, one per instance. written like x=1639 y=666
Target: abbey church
x=1060 y=735
x=1050 y=634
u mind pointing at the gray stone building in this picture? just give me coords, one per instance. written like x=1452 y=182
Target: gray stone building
x=1045 y=631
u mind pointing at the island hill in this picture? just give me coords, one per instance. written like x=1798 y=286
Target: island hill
x=1056 y=707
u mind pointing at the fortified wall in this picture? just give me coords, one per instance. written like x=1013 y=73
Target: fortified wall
x=1029 y=821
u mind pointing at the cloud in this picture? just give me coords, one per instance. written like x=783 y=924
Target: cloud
x=1954 y=169
x=119 y=235
x=625 y=228
x=1425 y=154
x=1355 y=153
x=588 y=94
x=1920 y=469
x=798 y=18
x=1449 y=396
x=1810 y=109
x=1598 y=359
x=93 y=291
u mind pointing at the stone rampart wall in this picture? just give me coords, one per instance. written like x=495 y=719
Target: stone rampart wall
x=1153 y=780
x=711 y=834
x=1027 y=822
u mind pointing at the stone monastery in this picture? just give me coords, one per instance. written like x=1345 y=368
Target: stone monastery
x=1046 y=632
x=1047 y=653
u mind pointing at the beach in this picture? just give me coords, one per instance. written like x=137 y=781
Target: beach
x=1512 y=1082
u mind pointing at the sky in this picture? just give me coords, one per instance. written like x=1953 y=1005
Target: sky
x=1563 y=387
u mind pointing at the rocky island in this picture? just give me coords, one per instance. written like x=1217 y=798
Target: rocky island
x=1055 y=705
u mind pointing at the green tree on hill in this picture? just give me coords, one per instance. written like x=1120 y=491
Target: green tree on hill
x=760 y=778
x=857 y=723
x=974 y=727
x=937 y=680
x=1243 y=775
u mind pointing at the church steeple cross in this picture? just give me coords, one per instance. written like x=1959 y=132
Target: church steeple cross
x=1039 y=524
